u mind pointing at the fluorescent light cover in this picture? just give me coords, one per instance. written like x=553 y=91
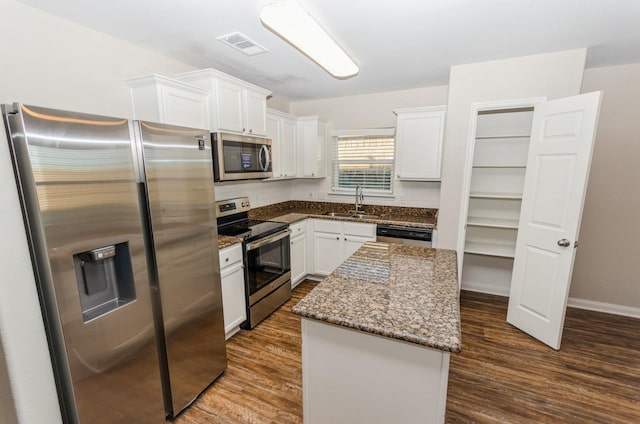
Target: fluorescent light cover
x=293 y=24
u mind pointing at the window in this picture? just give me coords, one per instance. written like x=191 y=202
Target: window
x=363 y=157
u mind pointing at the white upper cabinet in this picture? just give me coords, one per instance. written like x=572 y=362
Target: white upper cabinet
x=160 y=99
x=236 y=106
x=312 y=142
x=281 y=129
x=419 y=140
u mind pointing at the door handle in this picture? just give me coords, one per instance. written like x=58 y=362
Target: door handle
x=564 y=243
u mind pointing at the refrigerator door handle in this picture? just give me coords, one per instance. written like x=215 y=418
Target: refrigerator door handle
x=137 y=150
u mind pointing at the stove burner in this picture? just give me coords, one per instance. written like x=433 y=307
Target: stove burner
x=250 y=229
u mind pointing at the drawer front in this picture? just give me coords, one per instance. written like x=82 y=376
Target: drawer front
x=298 y=228
x=360 y=229
x=230 y=255
x=327 y=226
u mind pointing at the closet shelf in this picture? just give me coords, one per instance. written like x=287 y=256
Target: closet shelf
x=501 y=166
x=490 y=249
x=500 y=137
x=478 y=221
x=494 y=195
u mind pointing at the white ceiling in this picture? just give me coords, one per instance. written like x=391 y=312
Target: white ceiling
x=398 y=44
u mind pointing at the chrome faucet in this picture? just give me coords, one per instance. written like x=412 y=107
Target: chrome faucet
x=359 y=198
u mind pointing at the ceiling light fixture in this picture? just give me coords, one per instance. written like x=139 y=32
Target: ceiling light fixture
x=293 y=24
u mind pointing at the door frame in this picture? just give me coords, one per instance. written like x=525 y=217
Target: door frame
x=475 y=108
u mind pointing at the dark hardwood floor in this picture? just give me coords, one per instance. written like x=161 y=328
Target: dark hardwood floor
x=501 y=376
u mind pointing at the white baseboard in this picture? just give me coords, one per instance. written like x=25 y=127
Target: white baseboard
x=609 y=308
x=485 y=288
x=590 y=305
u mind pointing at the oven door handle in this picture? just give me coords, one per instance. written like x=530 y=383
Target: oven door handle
x=263 y=242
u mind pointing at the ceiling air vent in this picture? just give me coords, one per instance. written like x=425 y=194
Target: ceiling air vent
x=241 y=42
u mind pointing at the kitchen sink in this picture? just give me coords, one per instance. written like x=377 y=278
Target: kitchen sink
x=364 y=216
x=339 y=214
x=351 y=215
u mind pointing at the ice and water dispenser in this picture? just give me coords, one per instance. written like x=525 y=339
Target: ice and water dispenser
x=105 y=279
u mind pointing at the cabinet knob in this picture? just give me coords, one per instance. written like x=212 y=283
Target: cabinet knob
x=345 y=239
x=398 y=176
x=226 y=260
x=244 y=129
x=250 y=131
x=337 y=238
x=563 y=243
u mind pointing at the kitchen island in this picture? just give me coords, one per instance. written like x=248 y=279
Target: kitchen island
x=377 y=335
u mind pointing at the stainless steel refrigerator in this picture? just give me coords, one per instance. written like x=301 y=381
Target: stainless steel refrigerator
x=119 y=217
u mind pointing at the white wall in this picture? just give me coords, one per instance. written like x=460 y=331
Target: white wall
x=260 y=193
x=552 y=75
x=607 y=268
x=50 y=62
x=371 y=111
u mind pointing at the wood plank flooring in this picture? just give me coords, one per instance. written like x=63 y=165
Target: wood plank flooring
x=501 y=376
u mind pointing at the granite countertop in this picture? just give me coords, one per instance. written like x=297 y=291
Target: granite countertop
x=226 y=241
x=297 y=210
x=402 y=292
x=413 y=221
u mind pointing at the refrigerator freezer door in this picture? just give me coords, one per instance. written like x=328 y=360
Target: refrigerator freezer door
x=80 y=201
x=179 y=176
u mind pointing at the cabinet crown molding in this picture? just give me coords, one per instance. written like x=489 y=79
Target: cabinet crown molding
x=167 y=81
x=214 y=73
x=422 y=109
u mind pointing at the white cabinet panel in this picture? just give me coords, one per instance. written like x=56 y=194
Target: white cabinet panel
x=312 y=141
x=255 y=105
x=335 y=241
x=353 y=243
x=236 y=106
x=282 y=130
x=233 y=289
x=419 y=141
x=288 y=155
x=299 y=252
x=229 y=107
x=160 y=99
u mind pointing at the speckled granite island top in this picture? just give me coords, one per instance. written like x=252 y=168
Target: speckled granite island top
x=403 y=292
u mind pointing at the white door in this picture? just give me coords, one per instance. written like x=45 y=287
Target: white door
x=298 y=259
x=328 y=252
x=554 y=189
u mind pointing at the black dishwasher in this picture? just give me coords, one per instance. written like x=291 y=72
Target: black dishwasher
x=414 y=236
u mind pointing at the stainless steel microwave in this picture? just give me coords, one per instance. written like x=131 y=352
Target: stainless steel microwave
x=238 y=157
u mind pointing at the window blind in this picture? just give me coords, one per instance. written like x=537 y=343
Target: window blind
x=364 y=160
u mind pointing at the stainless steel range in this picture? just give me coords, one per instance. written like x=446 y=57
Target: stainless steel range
x=266 y=257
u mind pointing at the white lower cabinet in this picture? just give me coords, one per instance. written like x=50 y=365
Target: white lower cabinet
x=233 y=291
x=298 y=252
x=335 y=241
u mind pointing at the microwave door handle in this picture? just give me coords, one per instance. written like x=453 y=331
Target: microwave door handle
x=264 y=152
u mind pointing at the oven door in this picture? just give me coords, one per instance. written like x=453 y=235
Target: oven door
x=268 y=265
x=239 y=157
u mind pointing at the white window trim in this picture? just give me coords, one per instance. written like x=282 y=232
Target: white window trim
x=390 y=131
x=364 y=132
